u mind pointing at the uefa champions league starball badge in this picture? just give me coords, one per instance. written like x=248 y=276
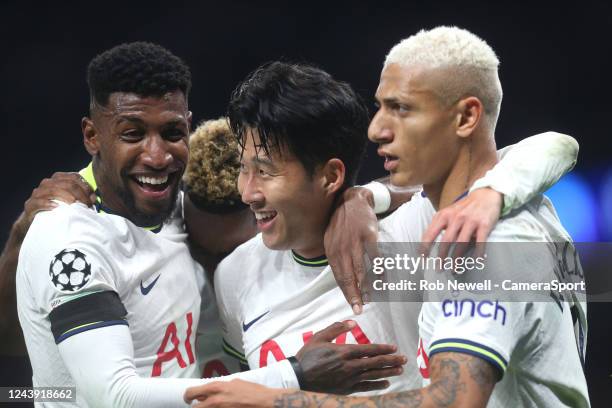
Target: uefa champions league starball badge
x=69 y=270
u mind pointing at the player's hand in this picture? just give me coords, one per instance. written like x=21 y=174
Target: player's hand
x=352 y=225
x=66 y=187
x=346 y=368
x=471 y=218
x=231 y=394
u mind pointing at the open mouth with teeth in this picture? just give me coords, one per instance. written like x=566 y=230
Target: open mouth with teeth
x=264 y=218
x=154 y=184
x=390 y=162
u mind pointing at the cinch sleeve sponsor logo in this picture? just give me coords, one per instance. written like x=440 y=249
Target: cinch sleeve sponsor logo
x=485 y=309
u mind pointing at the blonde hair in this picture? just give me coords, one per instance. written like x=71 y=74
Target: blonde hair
x=471 y=64
x=214 y=163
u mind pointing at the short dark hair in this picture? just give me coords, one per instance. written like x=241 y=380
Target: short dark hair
x=143 y=68
x=304 y=109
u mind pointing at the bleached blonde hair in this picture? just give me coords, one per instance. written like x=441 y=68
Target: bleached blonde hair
x=470 y=63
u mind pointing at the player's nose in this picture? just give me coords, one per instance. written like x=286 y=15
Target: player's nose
x=156 y=153
x=380 y=129
x=250 y=191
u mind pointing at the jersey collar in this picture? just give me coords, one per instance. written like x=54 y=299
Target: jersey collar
x=88 y=176
x=312 y=262
x=462 y=195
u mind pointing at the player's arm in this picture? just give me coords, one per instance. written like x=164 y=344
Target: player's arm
x=9 y=323
x=108 y=378
x=457 y=380
x=525 y=169
x=67 y=187
x=353 y=224
x=320 y=365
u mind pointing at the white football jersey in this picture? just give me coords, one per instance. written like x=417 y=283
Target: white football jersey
x=272 y=302
x=213 y=360
x=535 y=345
x=80 y=269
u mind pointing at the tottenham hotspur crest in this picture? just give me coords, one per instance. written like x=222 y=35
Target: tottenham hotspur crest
x=69 y=270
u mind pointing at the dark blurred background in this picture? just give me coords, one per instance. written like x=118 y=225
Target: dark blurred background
x=555 y=65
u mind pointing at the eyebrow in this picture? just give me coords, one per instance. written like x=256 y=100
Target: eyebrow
x=391 y=100
x=125 y=118
x=169 y=124
x=264 y=161
x=175 y=123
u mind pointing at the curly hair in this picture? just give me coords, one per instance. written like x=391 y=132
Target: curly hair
x=212 y=171
x=143 y=68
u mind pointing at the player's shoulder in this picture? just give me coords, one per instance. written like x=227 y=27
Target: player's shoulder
x=74 y=226
x=62 y=221
x=67 y=250
x=536 y=221
x=408 y=221
x=236 y=266
x=242 y=254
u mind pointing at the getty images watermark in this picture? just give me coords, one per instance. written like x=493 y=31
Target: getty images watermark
x=513 y=271
x=457 y=265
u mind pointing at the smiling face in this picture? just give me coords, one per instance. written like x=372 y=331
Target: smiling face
x=140 y=151
x=291 y=206
x=414 y=129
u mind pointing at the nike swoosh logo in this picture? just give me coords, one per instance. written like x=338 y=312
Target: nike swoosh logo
x=146 y=289
x=246 y=327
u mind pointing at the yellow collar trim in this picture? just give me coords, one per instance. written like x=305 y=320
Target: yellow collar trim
x=88 y=175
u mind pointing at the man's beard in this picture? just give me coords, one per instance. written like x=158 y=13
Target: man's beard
x=143 y=219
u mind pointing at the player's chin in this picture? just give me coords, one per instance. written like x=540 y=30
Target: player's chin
x=273 y=241
x=401 y=178
x=153 y=212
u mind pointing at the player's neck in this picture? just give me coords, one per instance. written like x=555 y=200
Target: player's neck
x=311 y=250
x=473 y=161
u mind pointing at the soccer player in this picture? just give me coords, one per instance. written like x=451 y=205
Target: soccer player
x=212 y=200
x=301 y=138
x=109 y=298
x=212 y=204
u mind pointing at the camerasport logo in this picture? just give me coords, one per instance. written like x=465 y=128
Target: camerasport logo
x=69 y=270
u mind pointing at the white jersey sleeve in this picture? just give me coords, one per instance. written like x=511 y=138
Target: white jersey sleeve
x=65 y=263
x=528 y=338
x=482 y=324
x=530 y=167
x=107 y=377
x=484 y=328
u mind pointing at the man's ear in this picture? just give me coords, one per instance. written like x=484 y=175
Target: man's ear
x=189 y=118
x=333 y=173
x=90 y=136
x=470 y=111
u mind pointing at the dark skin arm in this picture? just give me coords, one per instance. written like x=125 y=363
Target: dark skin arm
x=66 y=187
x=352 y=225
x=457 y=380
x=346 y=368
x=326 y=367
x=10 y=331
